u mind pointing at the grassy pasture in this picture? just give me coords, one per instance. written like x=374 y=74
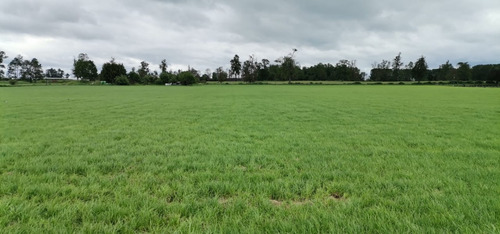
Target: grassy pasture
x=249 y=159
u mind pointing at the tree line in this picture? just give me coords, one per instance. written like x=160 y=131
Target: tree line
x=285 y=68
x=419 y=71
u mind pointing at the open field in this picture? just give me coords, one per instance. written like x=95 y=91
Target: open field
x=249 y=159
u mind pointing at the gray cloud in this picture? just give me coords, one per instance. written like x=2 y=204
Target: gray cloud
x=206 y=33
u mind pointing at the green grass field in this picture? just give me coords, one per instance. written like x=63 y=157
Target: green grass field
x=303 y=159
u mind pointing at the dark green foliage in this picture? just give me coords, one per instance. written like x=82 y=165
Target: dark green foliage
x=149 y=79
x=84 y=68
x=204 y=78
x=53 y=73
x=490 y=73
x=378 y=74
x=122 y=80
x=144 y=69
x=186 y=78
x=288 y=68
x=320 y=72
x=111 y=70
x=15 y=67
x=347 y=70
x=165 y=77
x=419 y=71
x=383 y=72
x=174 y=79
x=264 y=73
x=195 y=73
x=31 y=70
x=12 y=81
x=494 y=75
x=250 y=70
x=446 y=71
x=163 y=66
x=220 y=75
x=2 y=66
x=134 y=77
x=481 y=72
x=235 y=66
x=28 y=70
x=464 y=71
x=396 y=68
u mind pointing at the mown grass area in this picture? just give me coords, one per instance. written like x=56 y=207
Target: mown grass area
x=249 y=159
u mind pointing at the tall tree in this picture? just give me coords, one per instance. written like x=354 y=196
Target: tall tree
x=396 y=67
x=410 y=65
x=133 y=77
x=463 y=71
x=31 y=70
x=54 y=73
x=250 y=70
x=143 y=69
x=235 y=66
x=163 y=66
x=381 y=71
x=15 y=67
x=84 y=68
x=264 y=73
x=220 y=74
x=446 y=71
x=494 y=75
x=419 y=71
x=346 y=70
x=287 y=65
x=2 y=57
x=111 y=70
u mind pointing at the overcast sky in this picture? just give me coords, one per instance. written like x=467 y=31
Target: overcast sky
x=207 y=34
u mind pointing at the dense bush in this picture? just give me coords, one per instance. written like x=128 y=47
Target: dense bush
x=149 y=79
x=186 y=78
x=12 y=81
x=134 y=77
x=122 y=80
x=165 y=77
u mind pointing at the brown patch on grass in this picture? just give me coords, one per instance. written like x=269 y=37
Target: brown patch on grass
x=437 y=192
x=223 y=200
x=276 y=202
x=337 y=197
x=241 y=168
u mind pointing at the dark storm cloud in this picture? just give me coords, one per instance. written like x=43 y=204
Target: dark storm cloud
x=206 y=33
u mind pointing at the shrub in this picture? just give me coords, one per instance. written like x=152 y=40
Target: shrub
x=149 y=79
x=165 y=77
x=134 y=78
x=186 y=78
x=12 y=81
x=122 y=80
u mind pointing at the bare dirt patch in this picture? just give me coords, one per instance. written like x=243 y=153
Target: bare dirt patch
x=337 y=197
x=223 y=200
x=276 y=202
